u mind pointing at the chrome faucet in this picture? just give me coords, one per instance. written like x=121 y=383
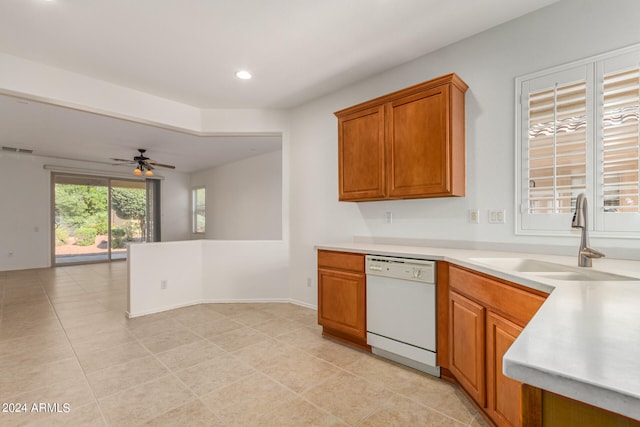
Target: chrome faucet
x=585 y=254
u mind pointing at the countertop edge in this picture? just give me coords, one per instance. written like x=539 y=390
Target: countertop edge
x=592 y=394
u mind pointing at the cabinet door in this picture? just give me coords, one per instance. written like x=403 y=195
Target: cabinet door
x=341 y=303
x=503 y=393
x=361 y=155
x=560 y=411
x=418 y=149
x=467 y=345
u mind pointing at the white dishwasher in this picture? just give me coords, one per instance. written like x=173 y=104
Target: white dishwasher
x=401 y=311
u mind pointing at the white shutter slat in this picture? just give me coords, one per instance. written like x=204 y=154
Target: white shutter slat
x=621 y=108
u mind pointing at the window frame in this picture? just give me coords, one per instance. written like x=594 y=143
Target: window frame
x=195 y=211
x=594 y=68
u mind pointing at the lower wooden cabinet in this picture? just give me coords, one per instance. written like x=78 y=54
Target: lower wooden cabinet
x=342 y=297
x=560 y=411
x=486 y=315
x=466 y=337
x=503 y=393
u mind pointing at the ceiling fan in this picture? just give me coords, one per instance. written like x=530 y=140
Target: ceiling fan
x=144 y=165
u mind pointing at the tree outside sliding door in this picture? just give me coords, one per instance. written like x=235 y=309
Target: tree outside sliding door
x=128 y=215
x=95 y=218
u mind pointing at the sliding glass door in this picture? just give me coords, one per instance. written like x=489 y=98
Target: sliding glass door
x=81 y=225
x=94 y=218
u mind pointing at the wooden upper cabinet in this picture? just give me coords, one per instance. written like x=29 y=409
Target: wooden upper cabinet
x=361 y=155
x=408 y=144
x=417 y=159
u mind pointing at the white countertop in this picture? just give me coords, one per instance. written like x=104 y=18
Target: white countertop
x=583 y=343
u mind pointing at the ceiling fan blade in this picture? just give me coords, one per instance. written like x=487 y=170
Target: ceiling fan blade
x=123 y=160
x=161 y=165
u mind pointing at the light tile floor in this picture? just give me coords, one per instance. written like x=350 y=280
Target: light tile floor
x=65 y=343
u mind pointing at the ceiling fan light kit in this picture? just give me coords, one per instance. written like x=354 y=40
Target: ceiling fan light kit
x=141 y=170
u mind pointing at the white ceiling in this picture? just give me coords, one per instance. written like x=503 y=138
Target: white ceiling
x=189 y=50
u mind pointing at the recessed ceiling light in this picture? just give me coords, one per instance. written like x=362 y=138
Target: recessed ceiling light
x=243 y=74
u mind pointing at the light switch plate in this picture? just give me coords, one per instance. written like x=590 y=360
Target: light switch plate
x=497 y=216
x=474 y=216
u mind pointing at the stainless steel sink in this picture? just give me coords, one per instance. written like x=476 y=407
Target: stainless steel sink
x=551 y=270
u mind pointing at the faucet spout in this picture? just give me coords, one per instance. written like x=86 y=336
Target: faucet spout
x=580 y=214
x=580 y=220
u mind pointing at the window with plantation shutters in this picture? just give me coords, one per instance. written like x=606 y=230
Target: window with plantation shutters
x=557 y=141
x=620 y=134
x=578 y=131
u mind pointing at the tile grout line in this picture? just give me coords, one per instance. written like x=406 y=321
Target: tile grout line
x=300 y=394
x=255 y=371
x=345 y=369
x=84 y=374
x=175 y=375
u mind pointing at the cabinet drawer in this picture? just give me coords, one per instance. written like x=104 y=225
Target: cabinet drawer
x=341 y=260
x=518 y=304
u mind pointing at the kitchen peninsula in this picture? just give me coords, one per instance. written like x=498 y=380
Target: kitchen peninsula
x=583 y=343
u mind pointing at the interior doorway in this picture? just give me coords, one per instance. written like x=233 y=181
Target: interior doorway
x=95 y=218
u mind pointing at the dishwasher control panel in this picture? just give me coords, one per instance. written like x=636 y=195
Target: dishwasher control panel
x=401 y=268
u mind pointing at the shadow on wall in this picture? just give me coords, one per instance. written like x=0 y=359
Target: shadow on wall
x=244 y=198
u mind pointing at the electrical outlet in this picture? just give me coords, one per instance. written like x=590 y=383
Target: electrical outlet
x=163 y=284
x=309 y=282
x=497 y=216
x=388 y=217
x=474 y=216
